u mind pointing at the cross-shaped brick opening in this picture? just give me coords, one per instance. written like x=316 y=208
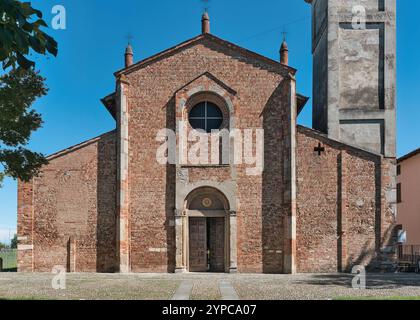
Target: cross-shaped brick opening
x=320 y=149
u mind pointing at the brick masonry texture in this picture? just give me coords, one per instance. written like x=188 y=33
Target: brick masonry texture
x=151 y=108
x=343 y=219
x=70 y=212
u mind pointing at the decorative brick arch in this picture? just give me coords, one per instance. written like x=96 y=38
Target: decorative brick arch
x=206 y=87
x=221 y=201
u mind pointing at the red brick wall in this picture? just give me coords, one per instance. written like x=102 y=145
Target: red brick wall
x=25 y=225
x=152 y=197
x=68 y=212
x=341 y=203
x=217 y=174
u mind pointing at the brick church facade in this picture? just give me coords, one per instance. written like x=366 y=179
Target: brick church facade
x=323 y=202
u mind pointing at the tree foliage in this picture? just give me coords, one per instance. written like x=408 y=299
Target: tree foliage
x=18 y=91
x=14 y=242
x=20 y=35
x=20 y=31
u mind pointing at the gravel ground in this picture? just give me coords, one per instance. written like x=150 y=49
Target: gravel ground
x=206 y=286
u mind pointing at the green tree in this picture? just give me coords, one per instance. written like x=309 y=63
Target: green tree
x=18 y=91
x=20 y=35
x=20 y=31
x=14 y=242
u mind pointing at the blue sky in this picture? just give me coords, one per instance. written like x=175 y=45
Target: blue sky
x=92 y=46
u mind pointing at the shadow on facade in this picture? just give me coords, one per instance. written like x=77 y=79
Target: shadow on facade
x=274 y=208
x=170 y=193
x=371 y=255
x=106 y=246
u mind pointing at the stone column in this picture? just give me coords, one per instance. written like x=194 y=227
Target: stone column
x=233 y=266
x=180 y=258
x=289 y=160
x=123 y=233
x=72 y=254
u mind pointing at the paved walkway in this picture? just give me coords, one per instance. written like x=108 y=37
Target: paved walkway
x=185 y=291
x=227 y=291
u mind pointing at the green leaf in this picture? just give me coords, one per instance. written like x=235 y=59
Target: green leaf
x=18 y=35
x=40 y=22
x=21 y=41
x=23 y=62
x=3 y=54
x=28 y=27
x=36 y=45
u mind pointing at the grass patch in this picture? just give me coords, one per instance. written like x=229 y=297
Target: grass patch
x=23 y=298
x=378 y=298
x=9 y=260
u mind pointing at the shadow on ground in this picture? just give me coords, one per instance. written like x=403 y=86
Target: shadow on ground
x=373 y=281
x=9 y=270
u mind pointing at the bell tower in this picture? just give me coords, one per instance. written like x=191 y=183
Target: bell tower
x=354 y=73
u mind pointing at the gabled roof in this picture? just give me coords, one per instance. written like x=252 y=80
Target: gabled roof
x=208 y=37
x=109 y=101
x=79 y=145
x=335 y=143
x=301 y=102
x=409 y=155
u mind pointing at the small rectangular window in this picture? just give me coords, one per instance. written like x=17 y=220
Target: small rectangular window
x=398 y=170
x=399 y=199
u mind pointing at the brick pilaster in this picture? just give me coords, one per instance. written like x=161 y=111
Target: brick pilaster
x=289 y=259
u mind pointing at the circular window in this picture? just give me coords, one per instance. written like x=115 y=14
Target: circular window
x=206 y=116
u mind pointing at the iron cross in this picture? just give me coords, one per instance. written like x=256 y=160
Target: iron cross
x=129 y=37
x=205 y=4
x=284 y=33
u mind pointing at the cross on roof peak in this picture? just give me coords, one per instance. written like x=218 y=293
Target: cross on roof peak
x=129 y=37
x=206 y=5
x=284 y=33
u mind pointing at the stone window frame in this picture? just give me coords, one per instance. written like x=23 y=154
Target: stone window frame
x=208 y=96
x=206 y=118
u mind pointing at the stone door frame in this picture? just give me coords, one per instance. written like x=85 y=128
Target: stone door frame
x=182 y=234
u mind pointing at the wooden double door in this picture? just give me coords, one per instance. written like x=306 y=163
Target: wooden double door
x=207 y=244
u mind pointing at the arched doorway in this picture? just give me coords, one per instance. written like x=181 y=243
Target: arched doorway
x=208 y=231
